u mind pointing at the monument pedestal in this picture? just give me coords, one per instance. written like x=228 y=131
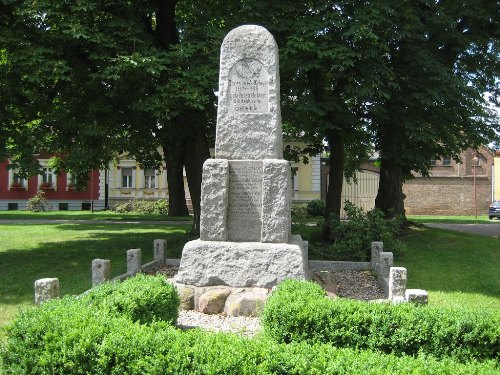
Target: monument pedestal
x=242 y=264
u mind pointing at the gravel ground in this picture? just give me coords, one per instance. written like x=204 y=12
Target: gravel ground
x=360 y=285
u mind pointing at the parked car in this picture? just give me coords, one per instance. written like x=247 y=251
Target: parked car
x=494 y=210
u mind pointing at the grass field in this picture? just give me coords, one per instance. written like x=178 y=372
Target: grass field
x=33 y=251
x=87 y=215
x=457 y=269
x=481 y=219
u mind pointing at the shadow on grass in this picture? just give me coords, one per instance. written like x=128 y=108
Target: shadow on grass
x=449 y=261
x=70 y=260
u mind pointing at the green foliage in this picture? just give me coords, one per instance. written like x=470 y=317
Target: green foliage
x=298 y=311
x=316 y=207
x=141 y=298
x=37 y=203
x=159 y=207
x=352 y=238
x=64 y=337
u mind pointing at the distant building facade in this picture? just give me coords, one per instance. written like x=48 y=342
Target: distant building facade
x=450 y=188
x=59 y=189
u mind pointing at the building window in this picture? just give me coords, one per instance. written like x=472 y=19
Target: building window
x=12 y=206
x=446 y=160
x=47 y=176
x=126 y=177
x=86 y=206
x=17 y=182
x=433 y=161
x=63 y=206
x=149 y=178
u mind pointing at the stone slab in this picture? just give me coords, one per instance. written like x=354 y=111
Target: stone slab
x=276 y=201
x=46 y=289
x=376 y=248
x=242 y=264
x=244 y=215
x=397 y=282
x=214 y=200
x=248 y=113
x=101 y=271
x=418 y=296
x=160 y=250
x=134 y=260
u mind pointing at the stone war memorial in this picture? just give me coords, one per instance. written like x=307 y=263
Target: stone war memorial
x=245 y=238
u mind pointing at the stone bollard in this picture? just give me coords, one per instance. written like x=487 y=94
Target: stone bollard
x=46 y=289
x=397 y=283
x=377 y=247
x=160 y=250
x=417 y=296
x=385 y=264
x=101 y=271
x=134 y=260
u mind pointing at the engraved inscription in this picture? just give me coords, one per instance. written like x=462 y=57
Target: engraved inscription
x=245 y=201
x=248 y=87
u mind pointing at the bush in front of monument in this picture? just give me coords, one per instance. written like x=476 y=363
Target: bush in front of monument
x=298 y=311
x=65 y=337
x=141 y=298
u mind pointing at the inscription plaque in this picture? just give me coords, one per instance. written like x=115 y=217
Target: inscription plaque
x=248 y=87
x=245 y=201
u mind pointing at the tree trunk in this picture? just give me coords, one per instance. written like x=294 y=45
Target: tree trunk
x=390 y=198
x=335 y=175
x=196 y=152
x=173 y=152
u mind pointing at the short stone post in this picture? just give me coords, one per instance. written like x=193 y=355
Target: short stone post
x=418 y=296
x=385 y=264
x=397 y=284
x=101 y=271
x=377 y=247
x=160 y=250
x=46 y=289
x=134 y=260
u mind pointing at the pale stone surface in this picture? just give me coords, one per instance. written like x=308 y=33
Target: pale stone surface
x=397 y=282
x=213 y=300
x=186 y=295
x=101 y=271
x=417 y=296
x=242 y=264
x=246 y=302
x=248 y=114
x=385 y=263
x=276 y=201
x=134 y=260
x=46 y=289
x=244 y=216
x=377 y=247
x=214 y=200
x=160 y=250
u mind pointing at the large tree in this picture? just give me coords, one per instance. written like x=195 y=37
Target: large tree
x=443 y=57
x=90 y=81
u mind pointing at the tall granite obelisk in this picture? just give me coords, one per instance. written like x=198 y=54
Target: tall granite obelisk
x=245 y=223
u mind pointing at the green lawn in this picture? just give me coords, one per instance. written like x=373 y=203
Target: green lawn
x=457 y=269
x=481 y=219
x=33 y=251
x=87 y=215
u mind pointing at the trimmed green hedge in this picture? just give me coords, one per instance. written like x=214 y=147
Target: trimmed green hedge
x=64 y=337
x=298 y=311
x=141 y=298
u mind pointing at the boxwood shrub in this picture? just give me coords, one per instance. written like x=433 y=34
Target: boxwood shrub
x=142 y=298
x=64 y=337
x=298 y=311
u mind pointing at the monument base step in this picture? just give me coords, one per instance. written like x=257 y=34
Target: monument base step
x=243 y=264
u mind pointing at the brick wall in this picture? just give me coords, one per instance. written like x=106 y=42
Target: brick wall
x=447 y=195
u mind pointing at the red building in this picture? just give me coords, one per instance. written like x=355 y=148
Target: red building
x=59 y=189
